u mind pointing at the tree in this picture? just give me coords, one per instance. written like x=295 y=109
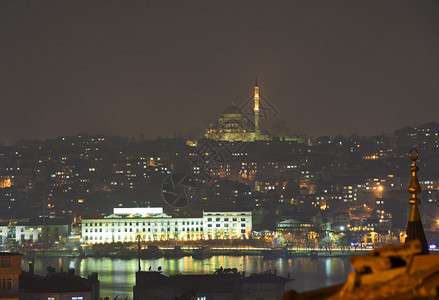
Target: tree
x=328 y=243
x=340 y=140
x=323 y=140
x=343 y=241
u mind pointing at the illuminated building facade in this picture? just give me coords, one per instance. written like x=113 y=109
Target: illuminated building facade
x=227 y=224
x=5 y=182
x=160 y=226
x=31 y=231
x=233 y=125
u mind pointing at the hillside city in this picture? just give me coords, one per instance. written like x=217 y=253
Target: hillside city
x=304 y=192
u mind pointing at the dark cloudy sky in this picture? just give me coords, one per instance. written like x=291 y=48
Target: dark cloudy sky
x=156 y=67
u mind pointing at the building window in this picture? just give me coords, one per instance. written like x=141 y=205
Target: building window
x=6 y=284
x=5 y=262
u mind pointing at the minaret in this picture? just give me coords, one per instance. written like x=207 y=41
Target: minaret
x=415 y=231
x=256 y=97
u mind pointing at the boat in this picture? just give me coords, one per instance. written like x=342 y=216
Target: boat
x=202 y=253
x=274 y=253
x=151 y=252
x=177 y=252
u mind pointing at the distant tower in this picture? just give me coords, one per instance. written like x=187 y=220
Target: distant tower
x=256 y=97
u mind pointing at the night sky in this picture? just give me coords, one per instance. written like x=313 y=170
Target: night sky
x=160 y=67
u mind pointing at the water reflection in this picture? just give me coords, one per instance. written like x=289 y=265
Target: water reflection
x=117 y=276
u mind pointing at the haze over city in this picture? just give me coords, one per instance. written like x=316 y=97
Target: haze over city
x=157 y=68
x=198 y=150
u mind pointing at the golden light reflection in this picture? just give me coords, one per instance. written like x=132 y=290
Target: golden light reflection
x=117 y=276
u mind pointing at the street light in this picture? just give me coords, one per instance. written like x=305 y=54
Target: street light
x=380 y=188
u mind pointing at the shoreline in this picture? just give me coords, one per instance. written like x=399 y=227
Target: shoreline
x=130 y=254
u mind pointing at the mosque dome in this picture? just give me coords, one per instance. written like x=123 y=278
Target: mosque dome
x=232 y=110
x=236 y=125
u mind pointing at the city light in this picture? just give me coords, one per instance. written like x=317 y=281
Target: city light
x=275 y=135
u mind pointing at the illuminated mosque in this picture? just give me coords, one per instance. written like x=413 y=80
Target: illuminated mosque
x=243 y=123
x=235 y=125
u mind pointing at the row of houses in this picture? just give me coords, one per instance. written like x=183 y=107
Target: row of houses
x=127 y=225
x=152 y=224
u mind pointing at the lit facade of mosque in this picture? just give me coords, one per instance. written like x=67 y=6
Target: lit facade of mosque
x=233 y=125
x=243 y=124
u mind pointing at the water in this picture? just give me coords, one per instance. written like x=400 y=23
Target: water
x=117 y=276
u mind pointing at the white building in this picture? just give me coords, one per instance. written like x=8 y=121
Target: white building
x=127 y=228
x=138 y=210
x=31 y=231
x=227 y=224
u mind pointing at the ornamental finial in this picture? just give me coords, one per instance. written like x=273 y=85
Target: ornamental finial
x=415 y=230
x=414 y=187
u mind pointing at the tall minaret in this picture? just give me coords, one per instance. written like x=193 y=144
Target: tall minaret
x=256 y=97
